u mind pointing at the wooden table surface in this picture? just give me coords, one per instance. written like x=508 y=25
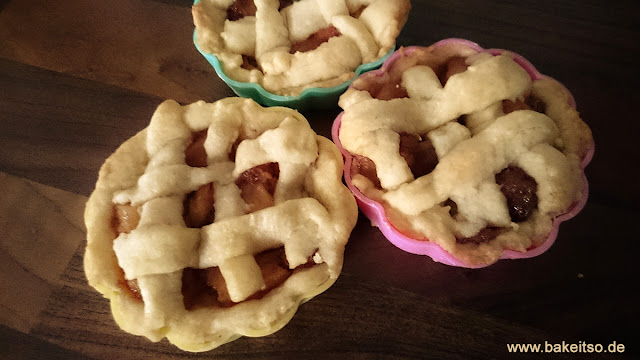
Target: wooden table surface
x=79 y=77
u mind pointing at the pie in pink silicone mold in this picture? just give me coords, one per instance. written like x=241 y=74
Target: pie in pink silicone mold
x=402 y=238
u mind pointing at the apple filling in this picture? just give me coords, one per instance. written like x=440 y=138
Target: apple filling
x=198 y=207
x=356 y=12
x=207 y=288
x=130 y=286
x=452 y=66
x=366 y=167
x=389 y=86
x=453 y=207
x=195 y=154
x=124 y=219
x=417 y=151
x=249 y=63
x=483 y=236
x=241 y=8
x=530 y=103
x=258 y=185
x=314 y=40
x=519 y=188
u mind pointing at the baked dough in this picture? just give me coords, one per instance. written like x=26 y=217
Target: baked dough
x=142 y=242
x=367 y=30
x=482 y=131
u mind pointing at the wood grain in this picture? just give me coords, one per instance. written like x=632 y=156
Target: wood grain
x=136 y=44
x=60 y=129
x=33 y=258
x=78 y=78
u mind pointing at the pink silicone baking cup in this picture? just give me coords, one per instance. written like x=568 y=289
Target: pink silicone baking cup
x=375 y=212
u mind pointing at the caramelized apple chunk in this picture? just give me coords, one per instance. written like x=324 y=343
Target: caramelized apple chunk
x=249 y=63
x=454 y=65
x=357 y=11
x=387 y=91
x=241 y=8
x=453 y=207
x=125 y=218
x=234 y=149
x=483 y=236
x=195 y=154
x=207 y=287
x=129 y=286
x=314 y=40
x=387 y=87
x=133 y=287
x=366 y=167
x=274 y=266
x=520 y=190
x=530 y=103
x=391 y=91
x=196 y=293
x=419 y=154
x=258 y=185
x=535 y=104
x=509 y=106
x=198 y=207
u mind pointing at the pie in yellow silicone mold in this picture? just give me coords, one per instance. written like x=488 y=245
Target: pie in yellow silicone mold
x=217 y=221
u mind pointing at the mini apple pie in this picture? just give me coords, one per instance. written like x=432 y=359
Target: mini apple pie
x=288 y=46
x=465 y=148
x=217 y=221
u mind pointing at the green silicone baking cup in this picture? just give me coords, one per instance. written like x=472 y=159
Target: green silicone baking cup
x=309 y=99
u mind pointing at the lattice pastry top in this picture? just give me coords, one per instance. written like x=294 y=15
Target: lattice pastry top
x=478 y=165
x=217 y=221
x=288 y=46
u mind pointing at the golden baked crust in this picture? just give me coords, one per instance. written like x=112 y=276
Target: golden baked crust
x=367 y=30
x=484 y=135
x=141 y=268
